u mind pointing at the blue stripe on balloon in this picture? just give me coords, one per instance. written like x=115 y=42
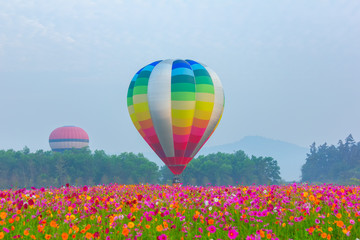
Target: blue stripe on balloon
x=197 y=66
x=155 y=63
x=68 y=140
x=191 y=62
x=180 y=64
x=182 y=71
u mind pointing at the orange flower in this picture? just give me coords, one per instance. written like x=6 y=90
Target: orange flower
x=211 y=221
x=64 y=236
x=311 y=230
x=11 y=220
x=147 y=226
x=87 y=227
x=40 y=228
x=328 y=237
x=338 y=215
x=26 y=232
x=159 y=228
x=88 y=235
x=340 y=224
x=53 y=224
x=330 y=229
x=345 y=231
x=323 y=235
x=165 y=225
x=268 y=236
x=75 y=228
x=17 y=218
x=47 y=236
x=3 y=215
x=2 y=235
x=311 y=198
x=262 y=233
x=125 y=231
x=33 y=236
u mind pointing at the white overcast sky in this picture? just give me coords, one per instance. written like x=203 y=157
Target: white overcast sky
x=290 y=69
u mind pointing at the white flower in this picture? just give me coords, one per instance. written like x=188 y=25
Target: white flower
x=265 y=192
x=210 y=208
x=216 y=199
x=206 y=203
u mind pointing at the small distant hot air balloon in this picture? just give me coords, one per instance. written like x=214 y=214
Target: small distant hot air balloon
x=176 y=106
x=68 y=137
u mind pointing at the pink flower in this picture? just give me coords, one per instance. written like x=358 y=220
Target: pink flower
x=211 y=229
x=233 y=234
x=162 y=237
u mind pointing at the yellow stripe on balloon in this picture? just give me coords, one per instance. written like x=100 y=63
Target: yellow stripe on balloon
x=182 y=114
x=141 y=107
x=182 y=122
x=204 y=115
x=204 y=106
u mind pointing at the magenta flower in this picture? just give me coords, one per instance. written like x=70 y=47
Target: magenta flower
x=162 y=237
x=317 y=221
x=233 y=234
x=211 y=229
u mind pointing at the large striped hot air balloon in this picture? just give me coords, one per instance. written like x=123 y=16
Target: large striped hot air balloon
x=176 y=106
x=68 y=137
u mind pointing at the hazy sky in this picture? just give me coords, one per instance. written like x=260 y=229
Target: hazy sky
x=290 y=69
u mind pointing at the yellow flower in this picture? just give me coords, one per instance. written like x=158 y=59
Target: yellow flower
x=131 y=224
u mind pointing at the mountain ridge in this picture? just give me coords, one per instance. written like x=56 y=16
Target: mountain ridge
x=290 y=157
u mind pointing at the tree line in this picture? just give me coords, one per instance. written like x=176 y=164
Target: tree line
x=83 y=167
x=333 y=164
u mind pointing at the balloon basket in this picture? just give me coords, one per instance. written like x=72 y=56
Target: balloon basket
x=176 y=180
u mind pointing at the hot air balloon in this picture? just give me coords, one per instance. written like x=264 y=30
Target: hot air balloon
x=176 y=106
x=68 y=137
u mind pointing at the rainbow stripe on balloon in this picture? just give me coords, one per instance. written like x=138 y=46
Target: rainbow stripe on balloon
x=175 y=105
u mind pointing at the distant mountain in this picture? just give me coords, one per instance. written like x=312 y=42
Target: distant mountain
x=290 y=157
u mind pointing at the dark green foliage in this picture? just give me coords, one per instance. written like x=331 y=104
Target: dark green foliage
x=228 y=169
x=82 y=167
x=333 y=164
x=76 y=167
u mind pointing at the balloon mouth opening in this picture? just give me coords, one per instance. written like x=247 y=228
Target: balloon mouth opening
x=177 y=169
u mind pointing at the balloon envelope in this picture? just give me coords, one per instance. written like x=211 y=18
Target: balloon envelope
x=175 y=105
x=68 y=137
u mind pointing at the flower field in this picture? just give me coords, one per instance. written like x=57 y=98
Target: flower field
x=181 y=212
